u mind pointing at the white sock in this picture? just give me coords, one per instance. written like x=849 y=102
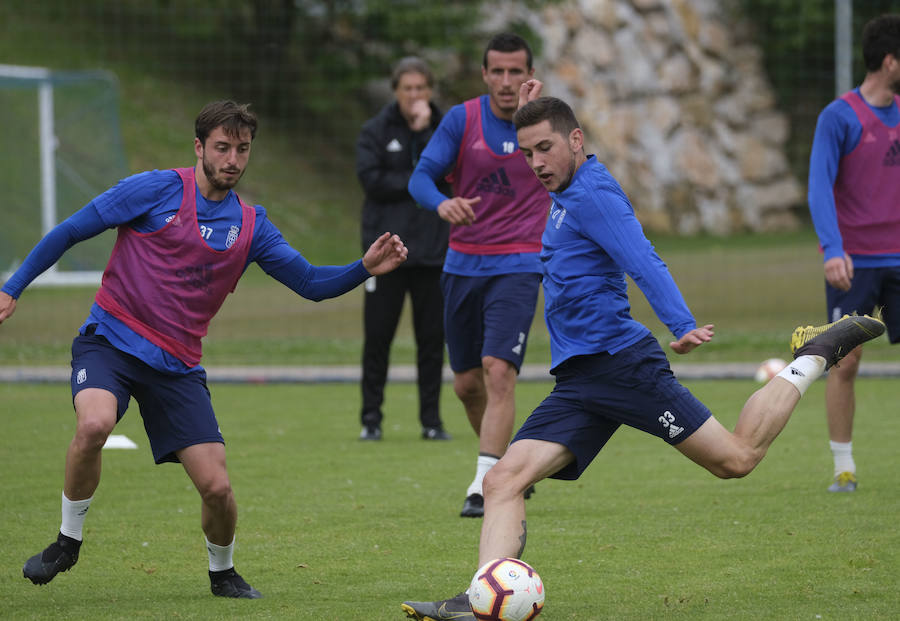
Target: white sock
x=843 y=457
x=220 y=557
x=484 y=463
x=73 y=514
x=803 y=371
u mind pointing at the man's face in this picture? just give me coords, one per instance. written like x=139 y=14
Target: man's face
x=504 y=74
x=894 y=68
x=411 y=87
x=224 y=157
x=551 y=155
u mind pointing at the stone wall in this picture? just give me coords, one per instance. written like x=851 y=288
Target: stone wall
x=673 y=99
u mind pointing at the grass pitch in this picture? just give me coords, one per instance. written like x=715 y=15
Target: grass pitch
x=332 y=528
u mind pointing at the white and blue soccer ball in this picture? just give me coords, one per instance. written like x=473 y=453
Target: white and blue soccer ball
x=506 y=589
x=769 y=369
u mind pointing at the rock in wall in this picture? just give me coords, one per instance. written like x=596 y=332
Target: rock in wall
x=674 y=100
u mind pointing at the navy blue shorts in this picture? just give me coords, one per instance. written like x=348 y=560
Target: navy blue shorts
x=594 y=394
x=871 y=287
x=176 y=409
x=488 y=316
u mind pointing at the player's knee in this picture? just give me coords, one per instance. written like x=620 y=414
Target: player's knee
x=92 y=431
x=495 y=483
x=468 y=386
x=466 y=391
x=736 y=466
x=498 y=371
x=502 y=480
x=730 y=471
x=216 y=492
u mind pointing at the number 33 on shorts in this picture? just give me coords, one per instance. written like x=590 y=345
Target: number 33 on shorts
x=667 y=419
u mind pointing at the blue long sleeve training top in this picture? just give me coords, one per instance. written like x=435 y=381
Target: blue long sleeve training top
x=592 y=239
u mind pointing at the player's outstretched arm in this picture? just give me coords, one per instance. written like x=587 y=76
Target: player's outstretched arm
x=7 y=306
x=385 y=254
x=693 y=339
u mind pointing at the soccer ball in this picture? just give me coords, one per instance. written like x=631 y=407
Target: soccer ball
x=769 y=369
x=506 y=589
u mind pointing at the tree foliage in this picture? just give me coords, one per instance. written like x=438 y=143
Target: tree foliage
x=798 y=42
x=307 y=64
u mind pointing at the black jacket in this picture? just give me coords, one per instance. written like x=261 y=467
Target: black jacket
x=386 y=154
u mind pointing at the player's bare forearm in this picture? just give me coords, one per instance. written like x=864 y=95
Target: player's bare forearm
x=385 y=254
x=7 y=306
x=693 y=339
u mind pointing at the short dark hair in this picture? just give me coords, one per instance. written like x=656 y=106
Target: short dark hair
x=507 y=42
x=230 y=116
x=880 y=37
x=411 y=64
x=562 y=119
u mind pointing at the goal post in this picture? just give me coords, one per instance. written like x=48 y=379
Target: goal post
x=66 y=148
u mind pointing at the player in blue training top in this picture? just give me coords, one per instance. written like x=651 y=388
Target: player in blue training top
x=492 y=271
x=609 y=368
x=854 y=199
x=184 y=240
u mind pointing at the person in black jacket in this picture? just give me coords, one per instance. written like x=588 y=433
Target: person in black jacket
x=387 y=150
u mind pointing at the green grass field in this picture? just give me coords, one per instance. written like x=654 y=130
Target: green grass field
x=331 y=528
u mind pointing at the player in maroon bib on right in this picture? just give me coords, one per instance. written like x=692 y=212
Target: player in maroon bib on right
x=854 y=199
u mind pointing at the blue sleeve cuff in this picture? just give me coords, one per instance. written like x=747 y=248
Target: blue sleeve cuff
x=681 y=331
x=8 y=290
x=832 y=252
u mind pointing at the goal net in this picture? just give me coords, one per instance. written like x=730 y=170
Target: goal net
x=64 y=147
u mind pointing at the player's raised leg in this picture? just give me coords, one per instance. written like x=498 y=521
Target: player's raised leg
x=766 y=412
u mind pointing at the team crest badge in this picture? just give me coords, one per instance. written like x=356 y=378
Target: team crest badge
x=232 y=236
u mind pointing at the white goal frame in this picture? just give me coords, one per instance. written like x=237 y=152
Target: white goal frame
x=42 y=77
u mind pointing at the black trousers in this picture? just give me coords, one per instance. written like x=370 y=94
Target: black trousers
x=382 y=309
